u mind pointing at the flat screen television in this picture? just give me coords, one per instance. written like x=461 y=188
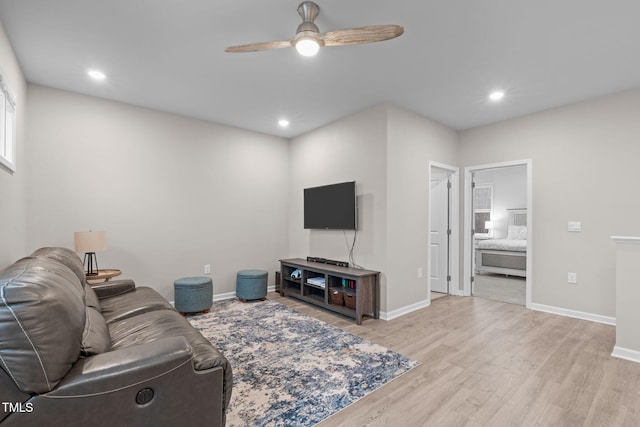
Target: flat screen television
x=330 y=207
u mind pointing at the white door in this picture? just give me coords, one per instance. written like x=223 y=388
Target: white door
x=439 y=207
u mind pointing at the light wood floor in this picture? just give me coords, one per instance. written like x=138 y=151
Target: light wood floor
x=489 y=363
x=499 y=287
x=436 y=295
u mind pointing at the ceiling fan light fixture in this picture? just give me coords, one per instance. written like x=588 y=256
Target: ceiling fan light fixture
x=307 y=46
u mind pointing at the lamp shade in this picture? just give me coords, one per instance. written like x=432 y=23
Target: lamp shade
x=90 y=241
x=488 y=225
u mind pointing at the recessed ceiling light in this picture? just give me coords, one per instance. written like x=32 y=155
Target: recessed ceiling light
x=496 y=96
x=97 y=74
x=283 y=123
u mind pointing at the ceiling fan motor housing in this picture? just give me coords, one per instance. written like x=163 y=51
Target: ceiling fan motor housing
x=308 y=31
x=308 y=11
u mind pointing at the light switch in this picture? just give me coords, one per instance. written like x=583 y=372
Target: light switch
x=574 y=226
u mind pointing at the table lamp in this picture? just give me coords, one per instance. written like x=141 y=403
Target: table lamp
x=90 y=242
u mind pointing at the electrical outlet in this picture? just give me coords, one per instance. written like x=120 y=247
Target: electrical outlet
x=207 y=269
x=420 y=273
x=572 y=277
x=574 y=226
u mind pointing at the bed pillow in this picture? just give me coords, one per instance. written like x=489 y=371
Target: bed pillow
x=517 y=232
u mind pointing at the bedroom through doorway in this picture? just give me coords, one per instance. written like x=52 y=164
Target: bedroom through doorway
x=498 y=221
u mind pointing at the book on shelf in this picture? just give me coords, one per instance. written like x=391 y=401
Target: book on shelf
x=348 y=283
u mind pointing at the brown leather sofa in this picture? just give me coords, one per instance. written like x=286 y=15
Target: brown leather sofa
x=109 y=355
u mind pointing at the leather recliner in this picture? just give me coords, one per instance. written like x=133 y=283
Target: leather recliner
x=112 y=354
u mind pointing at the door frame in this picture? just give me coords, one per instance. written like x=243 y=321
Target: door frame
x=469 y=261
x=454 y=221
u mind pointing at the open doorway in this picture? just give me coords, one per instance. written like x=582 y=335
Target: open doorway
x=498 y=232
x=444 y=217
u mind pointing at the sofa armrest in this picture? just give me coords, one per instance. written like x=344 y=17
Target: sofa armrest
x=114 y=370
x=147 y=384
x=112 y=288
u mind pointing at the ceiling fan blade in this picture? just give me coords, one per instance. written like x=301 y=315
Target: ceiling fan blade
x=360 y=35
x=258 y=46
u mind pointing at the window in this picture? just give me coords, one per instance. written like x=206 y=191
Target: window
x=7 y=126
x=482 y=208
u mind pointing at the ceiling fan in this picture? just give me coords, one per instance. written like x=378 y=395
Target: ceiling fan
x=308 y=38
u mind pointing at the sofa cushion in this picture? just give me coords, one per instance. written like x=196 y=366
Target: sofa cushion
x=95 y=337
x=71 y=260
x=141 y=300
x=154 y=325
x=65 y=256
x=91 y=299
x=42 y=317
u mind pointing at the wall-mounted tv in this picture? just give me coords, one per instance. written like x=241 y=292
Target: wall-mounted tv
x=330 y=207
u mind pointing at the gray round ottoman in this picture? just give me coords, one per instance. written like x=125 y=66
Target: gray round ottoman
x=251 y=284
x=193 y=294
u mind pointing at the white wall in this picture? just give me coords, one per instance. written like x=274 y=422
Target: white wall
x=13 y=184
x=585 y=168
x=172 y=193
x=628 y=294
x=386 y=150
x=413 y=141
x=350 y=149
x=509 y=192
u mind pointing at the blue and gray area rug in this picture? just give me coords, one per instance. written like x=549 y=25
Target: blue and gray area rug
x=290 y=369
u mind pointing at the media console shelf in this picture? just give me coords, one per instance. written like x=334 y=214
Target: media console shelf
x=317 y=281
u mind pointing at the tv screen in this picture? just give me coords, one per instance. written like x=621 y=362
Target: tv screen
x=330 y=207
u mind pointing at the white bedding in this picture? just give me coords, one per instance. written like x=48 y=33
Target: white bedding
x=503 y=245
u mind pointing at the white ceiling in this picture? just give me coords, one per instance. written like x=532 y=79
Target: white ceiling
x=169 y=55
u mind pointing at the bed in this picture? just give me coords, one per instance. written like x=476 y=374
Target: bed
x=505 y=256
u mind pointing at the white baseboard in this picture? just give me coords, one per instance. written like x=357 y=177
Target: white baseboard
x=574 y=313
x=622 y=352
x=220 y=297
x=404 y=310
x=626 y=354
x=230 y=295
x=216 y=297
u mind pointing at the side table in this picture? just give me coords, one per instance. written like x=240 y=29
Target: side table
x=103 y=275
